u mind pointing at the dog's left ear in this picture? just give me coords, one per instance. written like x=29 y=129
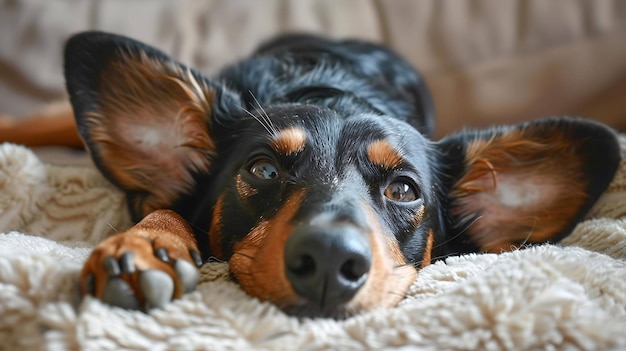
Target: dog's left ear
x=530 y=183
x=147 y=120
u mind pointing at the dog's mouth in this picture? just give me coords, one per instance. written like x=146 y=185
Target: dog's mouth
x=321 y=269
x=298 y=306
x=310 y=310
x=375 y=293
x=332 y=263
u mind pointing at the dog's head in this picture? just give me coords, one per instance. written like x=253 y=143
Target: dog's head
x=317 y=212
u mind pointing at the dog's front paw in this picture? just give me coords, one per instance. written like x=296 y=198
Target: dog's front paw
x=135 y=270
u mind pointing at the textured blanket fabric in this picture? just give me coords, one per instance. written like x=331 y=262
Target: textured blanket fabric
x=571 y=296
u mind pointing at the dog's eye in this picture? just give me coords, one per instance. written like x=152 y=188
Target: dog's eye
x=264 y=169
x=401 y=191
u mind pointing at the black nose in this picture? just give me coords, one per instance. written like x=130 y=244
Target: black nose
x=327 y=265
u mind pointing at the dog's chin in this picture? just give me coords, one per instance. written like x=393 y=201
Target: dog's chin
x=310 y=310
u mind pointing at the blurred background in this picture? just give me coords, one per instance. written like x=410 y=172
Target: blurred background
x=485 y=61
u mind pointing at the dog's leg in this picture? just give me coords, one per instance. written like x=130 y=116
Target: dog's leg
x=147 y=266
x=51 y=126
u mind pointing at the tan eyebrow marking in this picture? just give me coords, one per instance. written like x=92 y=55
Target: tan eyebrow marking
x=244 y=189
x=289 y=141
x=382 y=154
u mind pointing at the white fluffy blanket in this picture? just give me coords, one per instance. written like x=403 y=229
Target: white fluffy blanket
x=564 y=297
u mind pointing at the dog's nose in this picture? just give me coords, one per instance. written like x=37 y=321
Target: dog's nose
x=327 y=265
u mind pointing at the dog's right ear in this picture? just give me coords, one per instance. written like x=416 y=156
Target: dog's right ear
x=145 y=119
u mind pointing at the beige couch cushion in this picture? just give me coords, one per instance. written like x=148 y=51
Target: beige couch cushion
x=502 y=61
x=486 y=61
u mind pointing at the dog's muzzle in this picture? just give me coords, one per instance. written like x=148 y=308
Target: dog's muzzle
x=327 y=264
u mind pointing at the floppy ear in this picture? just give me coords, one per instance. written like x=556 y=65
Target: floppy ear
x=530 y=183
x=145 y=119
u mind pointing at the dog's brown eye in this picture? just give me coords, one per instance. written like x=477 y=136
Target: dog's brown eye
x=401 y=191
x=264 y=169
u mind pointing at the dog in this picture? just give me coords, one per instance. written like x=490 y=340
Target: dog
x=309 y=168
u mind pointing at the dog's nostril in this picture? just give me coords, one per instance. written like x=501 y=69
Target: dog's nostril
x=327 y=265
x=303 y=265
x=354 y=269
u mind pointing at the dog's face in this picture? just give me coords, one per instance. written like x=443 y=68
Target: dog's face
x=318 y=213
x=322 y=213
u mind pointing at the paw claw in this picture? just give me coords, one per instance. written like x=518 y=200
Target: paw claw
x=127 y=263
x=197 y=259
x=118 y=293
x=90 y=284
x=134 y=271
x=188 y=274
x=111 y=266
x=162 y=254
x=158 y=288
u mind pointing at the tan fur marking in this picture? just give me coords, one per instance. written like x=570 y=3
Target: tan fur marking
x=157 y=222
x=419 y=216
x=244 y=189
x=519 y=160
x=216 y=234
x=152 y=128
x=394 y=250
x=162 y=228
x=257 y=260
x=258 y=264
x=382 y=154
x=427 y=257
x=390 y=275
x=289 y=141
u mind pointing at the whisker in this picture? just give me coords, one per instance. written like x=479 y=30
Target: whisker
x=439 y=257
x=399 y=266
x=261 y=122
x=213 y=259
x=264 y=113
x=255 y=100
x=400 y=275
x=395 y=293
x=532 y=230
x=246 y=274
x=244 y=255
x=458 y=234
x=193 y=226
x=112 y=227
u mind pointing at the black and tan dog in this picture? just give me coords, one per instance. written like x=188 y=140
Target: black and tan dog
x=308 y=167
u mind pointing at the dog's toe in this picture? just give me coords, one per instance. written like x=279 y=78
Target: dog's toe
x=134 y=272
x=162 y=254
x=89 y=284
x=195 y=256
x=188 y=274
x=111 y=266
x=118 y=292
x=157 y=287
x=127 y=263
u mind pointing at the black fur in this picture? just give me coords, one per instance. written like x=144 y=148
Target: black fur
x=345 y=94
